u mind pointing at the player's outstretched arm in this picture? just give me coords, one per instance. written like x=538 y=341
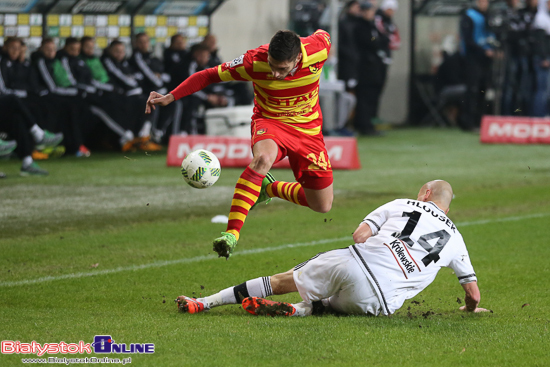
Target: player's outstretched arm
x=472 y=298
x=158 y=99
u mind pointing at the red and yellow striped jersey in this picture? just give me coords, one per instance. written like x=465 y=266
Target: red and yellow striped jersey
x=294 y=100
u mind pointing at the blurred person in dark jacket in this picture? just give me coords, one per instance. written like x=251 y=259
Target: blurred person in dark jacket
x=371 y=70
x=52 y=83
x=211 y=96
x=386 y=27
x=98 y=97
x=541 y=59
x=477 y=50
x=175 y=58
x=123 y=76
x=152 y=76
x=516 y=93
x=150 y=68
x=12 y=123
x=14 y=81
x=348 y=52
x=211 y=43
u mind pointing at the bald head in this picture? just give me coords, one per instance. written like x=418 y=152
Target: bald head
x=438 y=191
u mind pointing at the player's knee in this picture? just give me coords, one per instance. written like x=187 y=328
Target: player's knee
x=321 y=207
x=261 y=163
x=283 y=283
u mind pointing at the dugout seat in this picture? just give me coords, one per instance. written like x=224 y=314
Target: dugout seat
x=229 y=121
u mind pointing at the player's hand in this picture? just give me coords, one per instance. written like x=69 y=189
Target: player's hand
x=157 y=98
x=478 y=309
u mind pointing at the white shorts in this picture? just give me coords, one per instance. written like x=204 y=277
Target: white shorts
x=335 y=275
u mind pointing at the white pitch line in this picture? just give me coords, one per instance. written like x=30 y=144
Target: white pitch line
x=195 y=259
x=506 y=219
x=159 y=264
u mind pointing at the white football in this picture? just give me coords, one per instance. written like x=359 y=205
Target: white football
x=201 y=169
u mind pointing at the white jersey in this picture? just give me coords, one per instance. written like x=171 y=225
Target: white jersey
x=411 y=241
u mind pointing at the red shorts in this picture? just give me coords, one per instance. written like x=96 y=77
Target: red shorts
x=307 y=154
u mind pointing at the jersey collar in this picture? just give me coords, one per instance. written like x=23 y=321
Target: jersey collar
x=304 y=60
x=438 y=208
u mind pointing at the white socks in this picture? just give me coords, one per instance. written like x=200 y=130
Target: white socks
x=259 y=287
x=303 y=309
x=27 y=161
x=128 y=136
x=145 y=130
x=37 y=133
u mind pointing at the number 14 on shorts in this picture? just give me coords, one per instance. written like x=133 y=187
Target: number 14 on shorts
x=321 y=162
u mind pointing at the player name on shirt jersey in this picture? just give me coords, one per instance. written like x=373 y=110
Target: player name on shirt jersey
x=412 y=240
x=293 y=100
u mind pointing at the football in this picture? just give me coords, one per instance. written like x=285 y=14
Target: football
x=201 y=169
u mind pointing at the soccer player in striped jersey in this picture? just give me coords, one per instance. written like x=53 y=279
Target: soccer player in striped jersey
x=399 y=249
x=287 y=121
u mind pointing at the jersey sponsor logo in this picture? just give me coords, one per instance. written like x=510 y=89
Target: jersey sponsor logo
x=238 y=61
x=403 y=257
x=315 y=68
x=261 y=131
x=304 y=99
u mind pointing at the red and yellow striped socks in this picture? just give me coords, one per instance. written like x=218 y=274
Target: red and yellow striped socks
x=246 y=193
x=289 y=191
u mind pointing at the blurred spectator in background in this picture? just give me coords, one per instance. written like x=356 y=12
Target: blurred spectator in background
x=371 y=69
x=59 y=100
x=211 y=96
x=176 y=62
x=516 y=66
x=105 y=95
x=348 y=52
x=541 y=59
x=477 y=50
x=97 y=97
x=23 y=55
x=151 y=69
x=123 y=77
x=151 y=77
x=519 y=46
x=14 y=81
x=386 y=27
x=211 y=42
x=175 y=58
x=16 y=128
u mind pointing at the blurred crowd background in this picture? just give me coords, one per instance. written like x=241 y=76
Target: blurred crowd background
x=87 y=91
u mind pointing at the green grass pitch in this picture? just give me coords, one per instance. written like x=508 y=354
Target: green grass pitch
x=104 y=245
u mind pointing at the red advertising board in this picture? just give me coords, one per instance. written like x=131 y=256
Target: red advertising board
x=236 y=152
x=515 y=130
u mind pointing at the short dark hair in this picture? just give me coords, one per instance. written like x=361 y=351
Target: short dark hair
x=139 y=35
x=198 y=47
x=71 y=41
x=115 y=42
x=46 y=40
x=9 y=40
x=284 y=46
x=175 y=37
x=85 y=39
